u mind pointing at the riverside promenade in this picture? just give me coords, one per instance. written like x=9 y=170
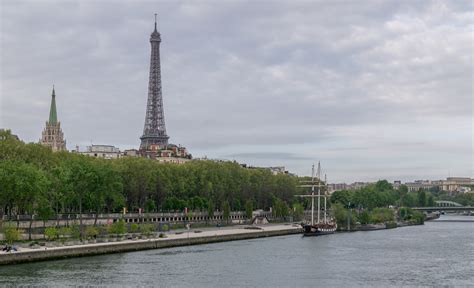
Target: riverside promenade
x=173 y=239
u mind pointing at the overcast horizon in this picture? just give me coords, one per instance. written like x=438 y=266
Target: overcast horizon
x=378 y=90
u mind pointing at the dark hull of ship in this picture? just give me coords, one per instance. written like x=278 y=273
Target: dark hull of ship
x=315 y=230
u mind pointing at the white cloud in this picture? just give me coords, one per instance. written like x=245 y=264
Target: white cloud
x=378 y=89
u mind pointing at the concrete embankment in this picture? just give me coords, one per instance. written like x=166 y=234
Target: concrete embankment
x=172 y=240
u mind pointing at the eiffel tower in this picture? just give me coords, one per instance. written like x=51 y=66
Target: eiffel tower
x=154 y=131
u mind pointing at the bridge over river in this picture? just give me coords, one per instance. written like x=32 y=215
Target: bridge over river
x=446 y=206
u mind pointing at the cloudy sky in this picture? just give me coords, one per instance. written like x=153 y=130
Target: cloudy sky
x=372 y=89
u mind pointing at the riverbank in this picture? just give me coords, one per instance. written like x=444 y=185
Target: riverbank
x=172 y=240
x=381 y=226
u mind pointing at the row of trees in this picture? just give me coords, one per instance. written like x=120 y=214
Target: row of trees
x=35 y=180
x=371 y=204
x=382 y=194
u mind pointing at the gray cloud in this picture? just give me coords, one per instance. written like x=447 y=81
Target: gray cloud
x=374 y=90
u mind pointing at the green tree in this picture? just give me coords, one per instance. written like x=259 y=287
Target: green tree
x=402 y=192
x=6 y=135
x=430 y=202
x=280 y=208
x=60 y=189
x=21 y=188
x=341 y=196
x=84 y=180
x=403 y=189
x=298 y=211
x=236 y=205
x=421 y=198
x=11 y=234
x=249 y=209
x=340 y=214
x=210 y=210
x=383 y=185
x=364 y=217
x=409 y=200
x=45 y=212
x=76 y=184
x=106 y=191
x=343 y=216
x=226 y=211
x=150 y=205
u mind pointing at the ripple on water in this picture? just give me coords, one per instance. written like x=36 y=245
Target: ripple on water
x=431 y=255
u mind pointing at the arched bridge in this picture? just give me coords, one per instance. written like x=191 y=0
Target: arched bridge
x=444 y=205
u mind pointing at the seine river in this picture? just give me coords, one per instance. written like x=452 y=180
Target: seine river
x=436 y=254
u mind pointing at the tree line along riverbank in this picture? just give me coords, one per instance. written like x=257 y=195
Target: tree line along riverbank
x=36 y=181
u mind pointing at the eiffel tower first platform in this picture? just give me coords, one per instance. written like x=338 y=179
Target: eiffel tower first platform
x=154 y=131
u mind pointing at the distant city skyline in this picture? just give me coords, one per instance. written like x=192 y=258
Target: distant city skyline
x=374 y=90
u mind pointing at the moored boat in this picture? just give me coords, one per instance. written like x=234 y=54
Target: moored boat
x=319 y=228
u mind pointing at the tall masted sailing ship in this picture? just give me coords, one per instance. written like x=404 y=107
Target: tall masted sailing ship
x=326 y=225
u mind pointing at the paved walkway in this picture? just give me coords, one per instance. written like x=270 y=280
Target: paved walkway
x=180 y=234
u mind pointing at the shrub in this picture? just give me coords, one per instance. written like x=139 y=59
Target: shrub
x=412 y=215
x=118 y=227
x=111 y=229
x=75 y=232
x=418 y=217
x=12 y=234
x=92 y=232
x=405 y=213
x=381 y=215
x=165 y=227
x=147 y=229
x=64 y=233
x=51 y=233
x=364 y=217
x=103 y=230
x=134 y=228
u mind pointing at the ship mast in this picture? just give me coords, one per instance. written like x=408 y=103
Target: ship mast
x=325 y=196
x=312 y=196
x=319 y=190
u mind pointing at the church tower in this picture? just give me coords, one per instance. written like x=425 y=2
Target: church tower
x=154 y=130
x=52 y=135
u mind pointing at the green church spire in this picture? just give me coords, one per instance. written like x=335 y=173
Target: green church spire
x=53 y=118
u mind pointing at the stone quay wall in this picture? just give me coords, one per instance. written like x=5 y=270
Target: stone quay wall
x=174 y=240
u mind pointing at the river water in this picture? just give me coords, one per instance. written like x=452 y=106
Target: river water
x=437 y=253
